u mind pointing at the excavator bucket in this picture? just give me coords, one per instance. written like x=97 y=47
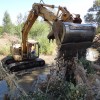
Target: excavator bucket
x=72 y=37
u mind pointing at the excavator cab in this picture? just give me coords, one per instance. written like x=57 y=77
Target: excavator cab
x=15 y=63
x=33 y=49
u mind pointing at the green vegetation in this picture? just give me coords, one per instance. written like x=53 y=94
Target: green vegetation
x=93 y=14
x=60 y=90
x=87 y=66
x=7 y=24
x=98 y=30
x=39 y=29
x=5 y=50
x=1 y=30
x=19 y=26
x=38 y=32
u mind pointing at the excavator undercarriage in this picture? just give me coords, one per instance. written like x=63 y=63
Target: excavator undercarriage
x=12 y=65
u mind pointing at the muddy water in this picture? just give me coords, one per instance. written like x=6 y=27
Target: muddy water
x=3 y=89
x=24 y=80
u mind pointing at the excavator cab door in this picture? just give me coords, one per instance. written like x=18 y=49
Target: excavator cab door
x=33 y=49
x=15 y=51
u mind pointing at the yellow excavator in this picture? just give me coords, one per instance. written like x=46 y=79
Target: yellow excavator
x=63 y=30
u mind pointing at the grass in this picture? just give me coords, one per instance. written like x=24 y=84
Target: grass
x=5 y=50
x=61 y=90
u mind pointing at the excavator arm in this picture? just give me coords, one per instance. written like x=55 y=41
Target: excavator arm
x=49 y=17
x=27 y=26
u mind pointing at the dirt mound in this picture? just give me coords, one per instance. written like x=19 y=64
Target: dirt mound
x=7 y=39
x=10 y=38
x=5 y=42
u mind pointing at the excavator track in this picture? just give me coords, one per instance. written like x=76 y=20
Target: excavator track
x=13 y=66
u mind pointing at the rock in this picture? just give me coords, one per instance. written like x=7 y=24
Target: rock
x=39 y=82
x=97 y=82
x=41 y=78
x=98 y=96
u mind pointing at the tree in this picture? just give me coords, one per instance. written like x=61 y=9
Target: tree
x=96 y=6
x=19 y=26
x=19 y=18
x=7 y=24
x=20 y=23
x=89 y=18
x=98 y=17
x=25 y=17
x=95 y=13
x=1 y=29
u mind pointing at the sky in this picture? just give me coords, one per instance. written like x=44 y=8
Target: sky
x=14 y=7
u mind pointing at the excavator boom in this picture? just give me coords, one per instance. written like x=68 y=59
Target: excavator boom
x=37 y=10
x=27 y=26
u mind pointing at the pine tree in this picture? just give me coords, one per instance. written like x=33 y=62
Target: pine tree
x=93 y=14
x=7 y=24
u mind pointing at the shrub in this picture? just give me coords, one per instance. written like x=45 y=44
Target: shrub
x=5 y=50
x=39 y=32
x=98 y=30
x=87 y=66
x=45 y=46
x=63 y=90
x=39 y=29
x=1 y=30
x=60 y=90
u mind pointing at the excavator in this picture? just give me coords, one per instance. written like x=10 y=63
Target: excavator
x=67 y=34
